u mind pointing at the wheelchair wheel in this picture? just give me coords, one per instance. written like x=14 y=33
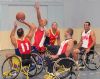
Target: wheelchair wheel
x=92 y=60
x=50 y=76
x=64 y=67
x=71 y=75
x=11 y=67
x=32 y=68
x=39 y=62
x=46 y=55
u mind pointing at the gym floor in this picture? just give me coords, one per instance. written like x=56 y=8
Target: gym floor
x=83 y=74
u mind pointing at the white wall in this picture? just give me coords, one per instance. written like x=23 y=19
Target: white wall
x=78 y=11
x=68 y=13
x=50 y=9
x=9 y=15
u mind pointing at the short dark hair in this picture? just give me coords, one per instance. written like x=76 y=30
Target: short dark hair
x=70 y=30
x=20 y=32
x=88 y=23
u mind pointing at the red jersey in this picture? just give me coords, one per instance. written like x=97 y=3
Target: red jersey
x=63 y=47
x=53 y=36
x=39 y=38
x=24 y=46
x=86 y=39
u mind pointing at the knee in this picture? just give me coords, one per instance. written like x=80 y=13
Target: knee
x=76 y=51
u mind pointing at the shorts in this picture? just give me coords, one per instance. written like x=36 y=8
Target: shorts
x=64 y=56
x=23 y=56
x=38 y=49
x=34 y=49
x=47 y=41
x=53 y=49
x=83 y=49
x=17 y=52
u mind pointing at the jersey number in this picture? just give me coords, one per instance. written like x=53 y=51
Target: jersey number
x=23 y=46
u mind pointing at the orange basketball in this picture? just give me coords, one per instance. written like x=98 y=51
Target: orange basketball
x=20 y=16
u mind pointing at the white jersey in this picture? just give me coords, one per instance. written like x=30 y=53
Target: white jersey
x=86 y=39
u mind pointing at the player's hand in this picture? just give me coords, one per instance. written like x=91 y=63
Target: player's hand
x=36 y=5
x=15 y=24
x=22 y=21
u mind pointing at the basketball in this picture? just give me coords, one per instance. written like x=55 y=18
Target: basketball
x=75 y=42
x=20 y=16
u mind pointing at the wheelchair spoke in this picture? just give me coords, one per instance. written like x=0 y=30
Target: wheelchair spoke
x=93 y=61
x=64 y=71
x=11 y=67
x=39 y=62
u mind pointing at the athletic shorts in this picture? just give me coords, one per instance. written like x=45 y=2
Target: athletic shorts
x=53 y=49
x=83 y=49
x=23 y=56
x=17 y=52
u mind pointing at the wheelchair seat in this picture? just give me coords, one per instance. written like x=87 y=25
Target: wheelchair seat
x=25 y=59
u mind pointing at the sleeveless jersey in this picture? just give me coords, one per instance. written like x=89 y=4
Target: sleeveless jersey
x=39 y=37
x=53 y=36
x=24 y=46
x=86 y=39
x=63 y=47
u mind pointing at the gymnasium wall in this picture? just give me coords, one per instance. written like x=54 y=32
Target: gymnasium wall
x=67 y=13
x=78 y=11
x=51 y=10
x=70 y=13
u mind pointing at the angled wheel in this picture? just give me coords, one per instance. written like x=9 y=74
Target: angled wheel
x=64 y=67
x=11 y=67
x=71 y=75
x=92 y=60
x=32 y=69
x=46 y=55
x=39 y=62
x=50 y=76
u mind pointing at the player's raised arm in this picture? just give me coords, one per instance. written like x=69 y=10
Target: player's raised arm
x=31 y=26
x=12 y=35
x=37 y=8
x=42 y=22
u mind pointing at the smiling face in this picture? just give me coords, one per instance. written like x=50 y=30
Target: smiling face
x=87 y=26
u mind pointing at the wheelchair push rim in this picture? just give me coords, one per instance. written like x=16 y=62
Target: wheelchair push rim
x=12 y=70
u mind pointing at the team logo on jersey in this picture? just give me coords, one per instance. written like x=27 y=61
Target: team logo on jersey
x=85 y=37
